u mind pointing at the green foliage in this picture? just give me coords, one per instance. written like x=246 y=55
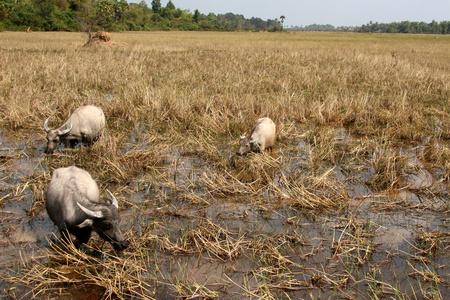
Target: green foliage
x=64 y=21
x=90 y=15
x=434 y=27
x=196 y=16
x=20 y=16
x=44 y=7
x=170 y=5
x=407 y=27
x=112 y=15
x=156 y=6
x=316 y=27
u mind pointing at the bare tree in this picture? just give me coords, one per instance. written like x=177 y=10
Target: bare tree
x=89 y=18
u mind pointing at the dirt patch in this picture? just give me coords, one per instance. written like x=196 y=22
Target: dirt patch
x=103 y=38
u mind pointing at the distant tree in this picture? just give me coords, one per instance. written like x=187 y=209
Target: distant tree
x=435 y=27
x=45 y=9
x=317 y=27
x=120 y=8
x=20 y=14
x=211 y=17
x=62 y=5
x=96 y=14
x=405 y=27
x=282 y=21
x=258 y=23
x=156 y=6
x=88 y=17
x=170 y=5
x=169 y=12
x=445 y=27
x=196 y=16
x=143 y=4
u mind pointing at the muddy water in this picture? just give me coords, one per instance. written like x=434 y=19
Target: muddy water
x=316 y=261
x=23 y=239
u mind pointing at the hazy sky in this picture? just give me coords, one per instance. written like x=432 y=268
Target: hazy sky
x=334 y=12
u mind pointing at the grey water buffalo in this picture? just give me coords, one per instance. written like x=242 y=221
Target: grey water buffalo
x=73 y=204
x=261 y=138
x=84 y=125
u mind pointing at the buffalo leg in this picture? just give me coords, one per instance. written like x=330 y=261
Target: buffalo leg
x=82 y=235
x=74 y=143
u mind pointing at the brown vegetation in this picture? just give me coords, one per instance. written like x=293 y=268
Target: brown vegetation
x=352 y=202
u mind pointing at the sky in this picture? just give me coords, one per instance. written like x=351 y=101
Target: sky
x=334 y=12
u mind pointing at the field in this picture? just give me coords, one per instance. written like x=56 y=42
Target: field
x=353 y=202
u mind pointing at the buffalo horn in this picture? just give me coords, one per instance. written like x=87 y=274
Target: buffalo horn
x=66 y=130
x=90 y=213
x=114 y=200
x=47 y=129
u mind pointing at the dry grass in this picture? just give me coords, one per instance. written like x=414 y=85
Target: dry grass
x=346 y=107
x=105 y=274
x=208 y=81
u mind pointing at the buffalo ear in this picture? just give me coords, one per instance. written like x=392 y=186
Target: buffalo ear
x=86 y=223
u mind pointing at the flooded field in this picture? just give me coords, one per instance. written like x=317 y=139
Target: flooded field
x=352 y=203
x=193 y=237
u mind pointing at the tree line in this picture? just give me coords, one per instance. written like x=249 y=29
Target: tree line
x=434 y=27
x=119 y=15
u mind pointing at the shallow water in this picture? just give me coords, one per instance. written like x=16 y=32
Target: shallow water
x=320 y=247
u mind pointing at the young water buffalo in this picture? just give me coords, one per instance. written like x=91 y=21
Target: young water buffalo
x=73 y=204
x=84 y=125
x=262 y=137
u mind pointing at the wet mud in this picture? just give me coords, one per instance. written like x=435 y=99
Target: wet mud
x=384 y=243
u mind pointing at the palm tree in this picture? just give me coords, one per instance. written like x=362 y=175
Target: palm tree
x=282 y=21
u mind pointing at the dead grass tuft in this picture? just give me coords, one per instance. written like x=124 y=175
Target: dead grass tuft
x=428 y=243
x=388 y=163
x=312 y=191
x=355 y=242
x=217 y=241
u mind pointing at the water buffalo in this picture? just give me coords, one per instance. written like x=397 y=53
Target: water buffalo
x=84 y=125
x=73 y=204
x=262 y=137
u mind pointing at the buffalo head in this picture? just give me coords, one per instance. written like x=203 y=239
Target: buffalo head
x=54 y=136
x=106 y=223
